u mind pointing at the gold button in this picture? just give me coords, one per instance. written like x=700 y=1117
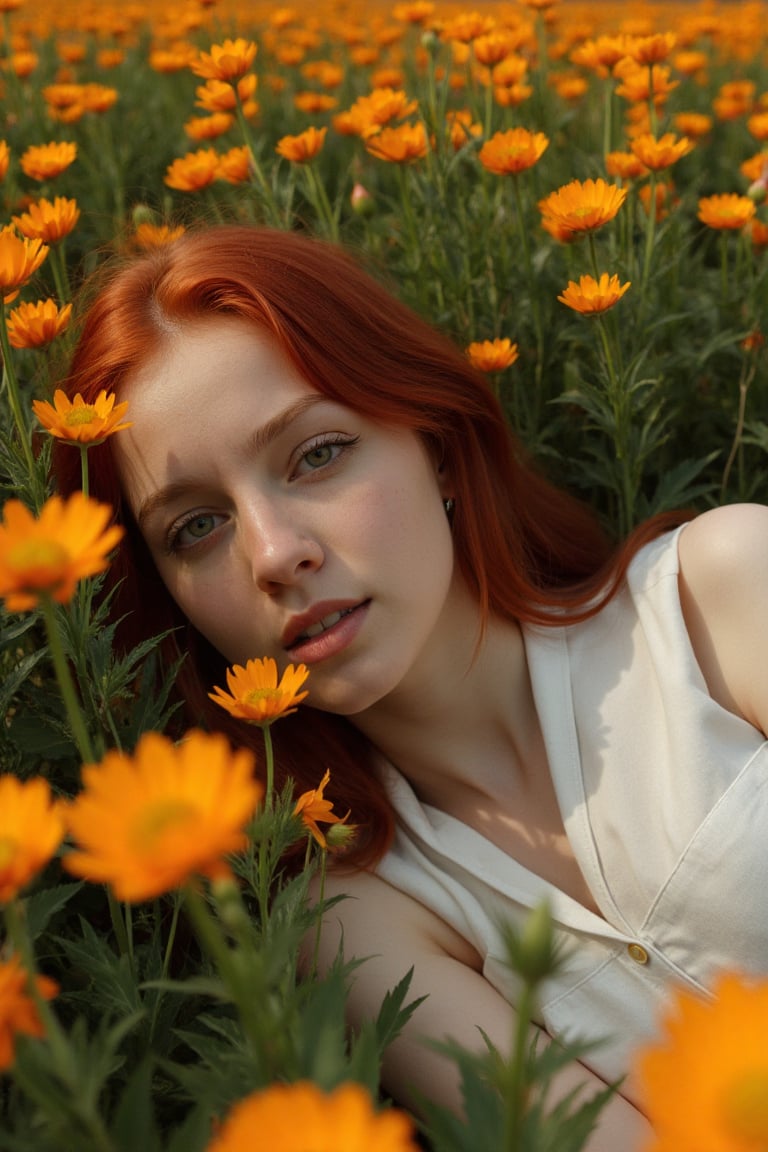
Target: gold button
x=638 y=953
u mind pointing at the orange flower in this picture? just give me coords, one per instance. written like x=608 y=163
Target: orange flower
x=216 y=96
x=19 y=260
x=651 y=49
x=5 y=159
x=513 y=95
x=583 y=207
x=48 y=555
x=209 y=127
x=314 y=809
x=34 y=325
x=194 y=171
x=48 y=220
x=150 y=822
x=689 y=62
x=559 y=232
x=466 y=26
x=637 y=85
x=79 y=422
x=494 y=46
x=509 y=71
x=512 y=151
x=235 y=165
x=492 y=355
x=280 y=1116
x=369 y=113
x=693 y=124
x=727 y=211
x=592 y=296
x=601 y=55
x=302 y=148
x=228 y=61
x=756 y=167
x=22 y=64
x=758 y=125
x=255 y=694
x=462 y=128
x=625 y=166
x=568 y=86
x=156 y=235
x=18 y=1014
x=47 y=161
x=415 y=12
x=401 y=145
x=758 y=233
x=31 y=829
x=661 y=153
x=705 y=1083
x=98 y=97
x=314 y=102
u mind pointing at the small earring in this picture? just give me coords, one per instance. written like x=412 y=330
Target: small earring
x=449 y=504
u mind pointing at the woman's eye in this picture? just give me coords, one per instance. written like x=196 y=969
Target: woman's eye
x=324 y=452
x=192 y=531
x=320 y=455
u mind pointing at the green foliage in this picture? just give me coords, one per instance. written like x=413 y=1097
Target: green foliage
x=169 y=1011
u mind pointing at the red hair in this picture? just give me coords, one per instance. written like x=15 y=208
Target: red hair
x=523 y=546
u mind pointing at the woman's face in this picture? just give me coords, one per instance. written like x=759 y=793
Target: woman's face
x=283 y=523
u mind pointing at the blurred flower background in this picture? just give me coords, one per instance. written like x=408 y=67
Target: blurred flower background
x=576 y=193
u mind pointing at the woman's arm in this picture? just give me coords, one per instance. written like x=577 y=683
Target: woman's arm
x=724 y=595
x=394 y=933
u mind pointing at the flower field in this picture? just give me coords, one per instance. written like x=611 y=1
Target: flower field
x=576 y=193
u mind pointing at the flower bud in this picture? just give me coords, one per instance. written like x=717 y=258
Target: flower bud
x=143 y=214
x=361 y=200
x=339 y=836
x=757 y=190
x=533 y=951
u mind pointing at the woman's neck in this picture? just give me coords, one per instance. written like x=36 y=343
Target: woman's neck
x=469 y=725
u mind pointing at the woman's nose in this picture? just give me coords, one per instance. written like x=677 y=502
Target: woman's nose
x=278 y=546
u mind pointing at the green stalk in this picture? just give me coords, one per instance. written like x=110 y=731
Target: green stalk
x=65 y=682
x=14 y=398
x=619 y=408
x=516 y=1090
x=261 y=180
x=746 y=378
x=650 y=236
x=322 y=205
x=263 y=878
x=64 y=1059
x=535 y=306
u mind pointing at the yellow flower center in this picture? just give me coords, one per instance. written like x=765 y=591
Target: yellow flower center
x=8 y=851
x=745 y=1108
x=84 y=414
x=45 y=554
x=160 y=818
x=258 y=695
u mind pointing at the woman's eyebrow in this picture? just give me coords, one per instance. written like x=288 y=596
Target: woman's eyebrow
x=260 y=440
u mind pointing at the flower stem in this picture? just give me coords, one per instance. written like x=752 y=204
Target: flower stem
x=65 y=682
x=747 y=376
x=516 y=1085
x=65 y=1063
x=14 y=399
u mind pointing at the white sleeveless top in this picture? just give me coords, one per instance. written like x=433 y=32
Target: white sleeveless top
x=664 y=797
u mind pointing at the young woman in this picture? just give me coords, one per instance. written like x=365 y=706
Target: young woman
x=510 y=708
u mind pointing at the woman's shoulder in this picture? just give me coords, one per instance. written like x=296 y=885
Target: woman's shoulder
x=723 y=578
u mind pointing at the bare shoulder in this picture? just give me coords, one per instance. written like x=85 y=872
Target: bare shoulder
x=373 y=917
x=724 y=595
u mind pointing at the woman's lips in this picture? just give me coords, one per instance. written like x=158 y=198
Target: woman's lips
x=330 y=640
